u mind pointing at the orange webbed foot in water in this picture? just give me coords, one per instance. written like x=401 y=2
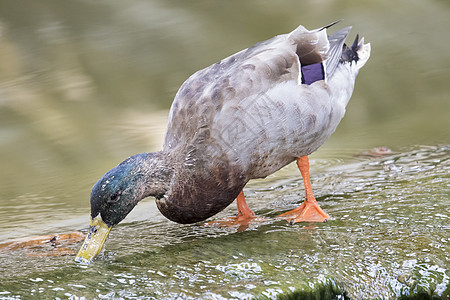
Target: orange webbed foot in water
x=308 y=211
x=243 y=219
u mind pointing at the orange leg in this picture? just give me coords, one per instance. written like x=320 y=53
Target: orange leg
x=244 y=217
x=309 y=210
x=244 y=212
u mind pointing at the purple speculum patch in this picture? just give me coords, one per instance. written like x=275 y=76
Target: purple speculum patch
x=312 y=73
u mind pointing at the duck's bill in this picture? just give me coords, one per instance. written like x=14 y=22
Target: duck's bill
x=95 y=239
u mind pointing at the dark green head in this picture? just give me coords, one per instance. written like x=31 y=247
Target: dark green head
x=122 y=187
x=118 y=192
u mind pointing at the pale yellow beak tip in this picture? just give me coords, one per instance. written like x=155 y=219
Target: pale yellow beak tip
x=95 y=239
x=82 y=260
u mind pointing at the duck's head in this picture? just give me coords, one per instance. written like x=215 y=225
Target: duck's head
x=118 y=192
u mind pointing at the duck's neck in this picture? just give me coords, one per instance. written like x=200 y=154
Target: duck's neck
x=154 y=171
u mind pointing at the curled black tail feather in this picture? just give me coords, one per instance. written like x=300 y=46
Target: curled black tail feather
x=355 y=43
x=351 y=53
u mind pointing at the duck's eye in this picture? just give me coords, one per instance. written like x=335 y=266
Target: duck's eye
x=115 y=197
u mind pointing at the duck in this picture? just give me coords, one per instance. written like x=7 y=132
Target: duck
x=242 y=118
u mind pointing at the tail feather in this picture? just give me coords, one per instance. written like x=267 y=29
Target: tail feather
x=315 y=47
x=312 y=46
x=351 y=53
x=331 y=24
x=336 y=41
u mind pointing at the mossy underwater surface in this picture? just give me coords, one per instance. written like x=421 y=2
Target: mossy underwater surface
x=388 y=238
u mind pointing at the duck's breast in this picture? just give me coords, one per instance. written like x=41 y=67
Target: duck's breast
x=201 y=187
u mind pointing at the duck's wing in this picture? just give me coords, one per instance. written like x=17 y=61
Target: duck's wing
x=260 y=95
x=208 y=173
x=204 y=95
x=249 y=72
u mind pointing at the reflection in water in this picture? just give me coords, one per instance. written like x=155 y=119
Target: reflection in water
x=84 y=85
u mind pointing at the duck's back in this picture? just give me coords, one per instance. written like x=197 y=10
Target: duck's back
x=256 y=111
x=208 y=94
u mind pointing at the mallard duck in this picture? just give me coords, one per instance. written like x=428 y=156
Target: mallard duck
x=242 y=118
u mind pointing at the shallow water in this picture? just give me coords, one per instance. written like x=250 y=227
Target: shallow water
x=388 y=235
x=83 y=86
